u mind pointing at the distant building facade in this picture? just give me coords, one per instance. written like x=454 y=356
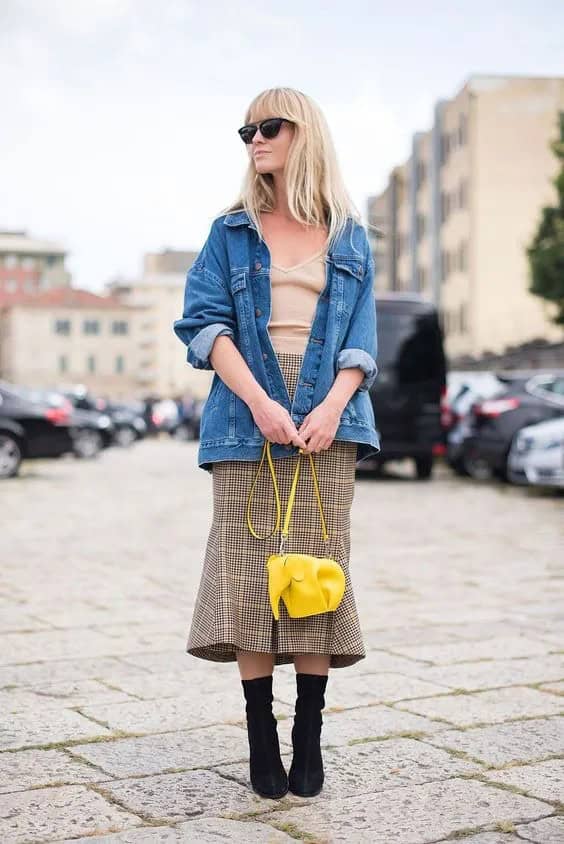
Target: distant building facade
x=29 y=265
x=458 y=215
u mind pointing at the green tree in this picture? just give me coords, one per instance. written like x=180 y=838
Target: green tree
x=546 y=252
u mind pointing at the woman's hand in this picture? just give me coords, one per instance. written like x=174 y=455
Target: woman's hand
x=320 y=426
x=275 y=423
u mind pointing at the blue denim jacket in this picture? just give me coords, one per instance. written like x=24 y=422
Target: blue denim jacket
x=228 y=292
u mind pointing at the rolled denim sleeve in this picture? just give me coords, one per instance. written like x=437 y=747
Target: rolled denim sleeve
x=208 y=310
x=361 y=343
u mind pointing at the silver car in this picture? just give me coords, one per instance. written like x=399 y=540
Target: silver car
x=537 y=455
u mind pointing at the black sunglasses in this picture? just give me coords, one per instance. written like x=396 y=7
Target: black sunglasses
x=269 y=128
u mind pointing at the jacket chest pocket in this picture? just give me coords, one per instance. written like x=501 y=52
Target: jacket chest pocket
x=348 y=279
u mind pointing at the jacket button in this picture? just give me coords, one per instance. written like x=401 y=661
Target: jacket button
x=258 y=311
x=258 y=265
x=264 y=355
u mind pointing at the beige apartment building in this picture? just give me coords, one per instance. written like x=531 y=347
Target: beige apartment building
x=29 y=264
x=160 y=291
x=457 y=217
x=69 y=336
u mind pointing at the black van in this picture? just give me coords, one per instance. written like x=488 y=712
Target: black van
x=409 y=393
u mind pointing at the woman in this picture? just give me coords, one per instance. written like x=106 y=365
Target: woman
x=280 y=304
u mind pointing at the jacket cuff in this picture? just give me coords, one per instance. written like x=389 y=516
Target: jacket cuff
x=201 y=345
x=358 y=357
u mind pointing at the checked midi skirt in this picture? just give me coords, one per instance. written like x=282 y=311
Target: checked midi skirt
x=232 y=609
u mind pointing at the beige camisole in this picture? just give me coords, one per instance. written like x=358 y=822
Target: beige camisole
x=295 y=291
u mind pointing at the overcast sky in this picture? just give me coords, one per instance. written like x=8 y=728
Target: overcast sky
x=119 y=117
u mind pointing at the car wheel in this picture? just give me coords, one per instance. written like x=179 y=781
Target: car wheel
x=10 y=456
x=424 y=467
x=125 y=436
x=87 y=444
x=477 y=468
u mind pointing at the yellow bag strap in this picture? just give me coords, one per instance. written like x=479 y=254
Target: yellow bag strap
x=285 y=529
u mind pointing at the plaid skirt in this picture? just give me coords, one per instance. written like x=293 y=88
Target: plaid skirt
x=232 y=609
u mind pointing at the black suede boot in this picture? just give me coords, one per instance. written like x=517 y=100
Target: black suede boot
x=306 y=773
x=268 y=775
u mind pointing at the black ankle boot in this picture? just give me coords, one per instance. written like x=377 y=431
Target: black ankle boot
x=306 y=773
x=268 y=775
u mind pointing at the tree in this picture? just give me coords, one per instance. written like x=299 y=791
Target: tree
x=546 y=252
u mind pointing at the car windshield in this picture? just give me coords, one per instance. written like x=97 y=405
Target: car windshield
x=410 y=343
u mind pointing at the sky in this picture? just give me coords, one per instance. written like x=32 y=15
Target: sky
x=118 y=128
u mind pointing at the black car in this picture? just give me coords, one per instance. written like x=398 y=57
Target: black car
x=409 y=393
x=30 y=429
x=117 y=423
x=496 y=421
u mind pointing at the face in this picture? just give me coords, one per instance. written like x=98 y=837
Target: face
x=269 y=154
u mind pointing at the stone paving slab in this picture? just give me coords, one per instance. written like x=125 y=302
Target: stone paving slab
x=554 y=688
x=496 y=673
x=543 y=779
x=452 y=652
x=39 y=674
x=46 y=813
x=170 y=751
x=57 y=695
x=178 y=713
x=502 y=744
x=31 y=768
x=486 y=707
x=32 y=729
x=348 y=691
x=199 y=831
x=546 y=831
x=340 y=728
x=416 y=815
x=174 y=797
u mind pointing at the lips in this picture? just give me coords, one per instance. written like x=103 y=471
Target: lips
x=262 y=152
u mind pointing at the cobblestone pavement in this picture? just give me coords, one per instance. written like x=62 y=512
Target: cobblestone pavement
x=451 y=728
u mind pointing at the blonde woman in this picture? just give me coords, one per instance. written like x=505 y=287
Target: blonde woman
x=280 y=303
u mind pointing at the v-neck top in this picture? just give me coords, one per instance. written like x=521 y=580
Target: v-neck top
x=295 y=291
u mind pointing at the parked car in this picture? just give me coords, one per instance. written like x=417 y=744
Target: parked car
x=409 y=395
x=496 y=421
x=536 y=455
x=30 y=429
x=464 y=390
x=126 y=422
x=91 y=431
x=187 y=425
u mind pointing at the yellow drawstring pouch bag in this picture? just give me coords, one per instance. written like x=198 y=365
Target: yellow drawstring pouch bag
x=308 y=585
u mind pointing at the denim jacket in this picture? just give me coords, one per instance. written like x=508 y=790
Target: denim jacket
x=228 y=292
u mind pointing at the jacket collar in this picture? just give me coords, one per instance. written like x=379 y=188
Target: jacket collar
x=341 y=247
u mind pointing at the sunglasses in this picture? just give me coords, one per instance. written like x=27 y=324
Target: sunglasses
x=269 y=128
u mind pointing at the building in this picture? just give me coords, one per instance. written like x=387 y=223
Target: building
x=459 y=214
x=160 y=291
x=29 y=265
x=67 y=335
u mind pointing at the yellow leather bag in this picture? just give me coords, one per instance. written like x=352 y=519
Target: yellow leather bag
x=308 y=585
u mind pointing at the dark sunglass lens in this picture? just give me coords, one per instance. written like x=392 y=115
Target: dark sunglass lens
x=247 y=133
x=270 y=128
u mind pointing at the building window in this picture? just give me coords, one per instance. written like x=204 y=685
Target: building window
x=91 y=326
x=462 y=130
x=63 y=363
x=421 y=226
x=11 y=285
x=28 y=263
x=62 y=326
x=462 y=194
x=50 y=260
x=463 y=321
x=11 y=262
x=462 y=257
x=120 y=365
x=91 y=363
x=119 y=327
x=421 y=174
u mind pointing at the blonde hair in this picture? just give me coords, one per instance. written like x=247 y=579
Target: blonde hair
x=314 y=185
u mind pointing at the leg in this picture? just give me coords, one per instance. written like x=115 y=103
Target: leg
x=306 y=773
x=267 y=773
x=312 y=663
x=254 y=664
